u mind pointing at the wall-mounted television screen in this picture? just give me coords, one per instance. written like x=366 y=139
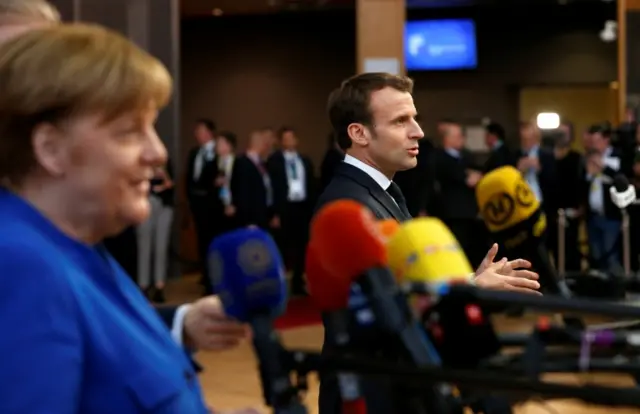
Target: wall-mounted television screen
x=443 y=44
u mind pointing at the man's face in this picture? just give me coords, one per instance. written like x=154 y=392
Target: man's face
x=289 y=141
x=202 y=134
x=392 y=140
x=456 y=136
x=528 y=136
x=599 y=142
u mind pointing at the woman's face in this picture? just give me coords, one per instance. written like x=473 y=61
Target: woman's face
x=107 y=167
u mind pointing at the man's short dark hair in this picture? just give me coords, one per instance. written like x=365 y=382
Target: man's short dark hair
x=207 y=123
x=284 y=129
x=604 y=129
x=230 y=137
x=496 y=129
x=351 y=102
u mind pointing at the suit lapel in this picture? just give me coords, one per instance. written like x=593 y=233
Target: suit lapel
x=380 y=195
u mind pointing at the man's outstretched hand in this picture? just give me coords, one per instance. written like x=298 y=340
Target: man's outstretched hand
x=506 y=274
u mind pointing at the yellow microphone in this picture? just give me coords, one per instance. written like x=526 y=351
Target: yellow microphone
x=424 y=251
x=513 y=215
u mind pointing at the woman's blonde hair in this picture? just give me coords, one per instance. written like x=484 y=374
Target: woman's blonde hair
x=19 y=11
x=51 y=74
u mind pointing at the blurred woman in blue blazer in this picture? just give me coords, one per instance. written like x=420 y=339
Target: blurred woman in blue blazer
x=77 y=150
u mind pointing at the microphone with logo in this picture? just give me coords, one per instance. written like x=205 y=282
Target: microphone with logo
x=425 y=256
x=623 y=194
x=247 y=271
x=512 y=213
x=331 y=296
x=352 y=247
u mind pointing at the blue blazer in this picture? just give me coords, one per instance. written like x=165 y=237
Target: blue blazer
x=78 y=337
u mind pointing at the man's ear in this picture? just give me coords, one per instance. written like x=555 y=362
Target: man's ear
x=358 y=134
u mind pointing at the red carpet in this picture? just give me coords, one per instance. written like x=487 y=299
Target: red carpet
x=300 y=312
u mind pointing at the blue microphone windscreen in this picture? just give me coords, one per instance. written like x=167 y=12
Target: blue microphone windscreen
x=247 y=272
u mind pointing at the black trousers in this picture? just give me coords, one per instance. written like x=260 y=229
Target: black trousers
x=206 y=217
x=293 y=239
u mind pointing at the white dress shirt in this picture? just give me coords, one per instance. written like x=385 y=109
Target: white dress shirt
x=206 y=153
x=295 y=179
x=377 y=176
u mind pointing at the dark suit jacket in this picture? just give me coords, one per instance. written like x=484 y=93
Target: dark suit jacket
x=499 y=157
x=332 y=158
x=249 y=194
x=456 y=200
x=278 y=171
x=204 y=186
x=352 y=183
x=418 y=184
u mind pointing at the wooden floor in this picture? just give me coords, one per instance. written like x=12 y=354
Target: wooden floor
x=230 y=379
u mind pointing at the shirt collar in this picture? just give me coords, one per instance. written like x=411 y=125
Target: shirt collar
x=377 y=176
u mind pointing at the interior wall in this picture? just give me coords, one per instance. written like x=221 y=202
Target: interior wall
x=250 y=71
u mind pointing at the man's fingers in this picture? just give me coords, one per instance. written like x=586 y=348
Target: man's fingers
x=526 y=274
x=524 y=290
x=521 y=282
x=491 y=254
x=520 y=264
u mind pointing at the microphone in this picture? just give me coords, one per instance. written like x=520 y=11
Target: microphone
x=426 y=256
x=247 y=271
x=424 y=251
x=623 y=194
x=513 y=216
x=331 y=296
x=346 y=236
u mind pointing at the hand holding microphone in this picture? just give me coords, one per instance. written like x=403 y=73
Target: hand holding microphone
x=248 y=272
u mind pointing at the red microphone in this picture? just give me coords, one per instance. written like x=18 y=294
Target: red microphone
x=351 y=245
x=331 y=295
x=348 y=239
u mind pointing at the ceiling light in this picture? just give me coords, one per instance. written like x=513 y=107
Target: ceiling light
x=217 y=12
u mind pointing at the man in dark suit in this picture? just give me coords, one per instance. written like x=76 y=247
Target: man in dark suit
x=499 y=155
x=374 y=119
x=457 y=177
x=293 y=180
x=251 y=186
x=538 y=168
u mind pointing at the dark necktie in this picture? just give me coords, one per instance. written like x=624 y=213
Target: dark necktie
x=395 y=193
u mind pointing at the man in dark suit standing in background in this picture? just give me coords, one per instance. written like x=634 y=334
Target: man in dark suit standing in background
x=499 y=154
x=293 y=182
x=374 y=119
x=457 y=177
x=202 y=194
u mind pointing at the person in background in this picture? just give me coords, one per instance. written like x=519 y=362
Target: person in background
x=154 y=236
x=332 y=158
x=226 y=155
x=634 y=217
x=570 y=181
x=77 y=150
x=457 y=176
x=294 y=192
x=495 y=140
x=202 y=195
x=251 y=186
x=603 y=162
